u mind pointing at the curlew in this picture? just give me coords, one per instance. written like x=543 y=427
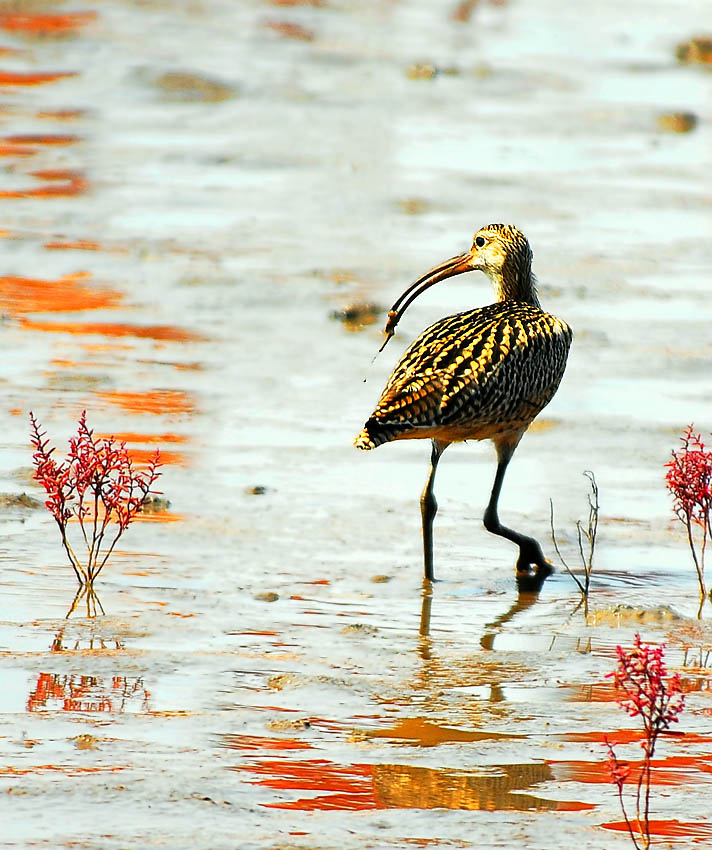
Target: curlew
x=484 y=374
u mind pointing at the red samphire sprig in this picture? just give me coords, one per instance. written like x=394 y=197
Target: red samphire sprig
x=689 y=480
x=97 y=485
x=657 y=700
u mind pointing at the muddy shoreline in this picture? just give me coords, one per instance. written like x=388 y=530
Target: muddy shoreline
x=197 y=198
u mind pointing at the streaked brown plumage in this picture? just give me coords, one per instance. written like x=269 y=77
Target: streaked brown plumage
x=481 y=374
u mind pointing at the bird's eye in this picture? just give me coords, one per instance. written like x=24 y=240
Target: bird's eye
x=480 y=241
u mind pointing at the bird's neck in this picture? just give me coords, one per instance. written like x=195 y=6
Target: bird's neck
x=515 y=284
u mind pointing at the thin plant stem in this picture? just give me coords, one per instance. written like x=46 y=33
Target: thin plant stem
x=589 y=532
x=693 y=549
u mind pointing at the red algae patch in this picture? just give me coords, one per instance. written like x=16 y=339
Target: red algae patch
x=20 y=295
x=157 y=401
x=69 y=184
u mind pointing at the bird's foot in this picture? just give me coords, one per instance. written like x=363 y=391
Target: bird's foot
x=532 y=568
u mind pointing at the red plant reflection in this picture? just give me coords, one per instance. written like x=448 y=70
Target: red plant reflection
x=73 y=692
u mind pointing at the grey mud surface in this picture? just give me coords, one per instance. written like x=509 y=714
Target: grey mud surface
x=269 y=672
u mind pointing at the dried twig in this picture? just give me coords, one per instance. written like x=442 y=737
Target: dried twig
x=587 y=534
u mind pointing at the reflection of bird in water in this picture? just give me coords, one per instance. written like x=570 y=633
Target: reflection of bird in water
x=398 y=786
x=478 y=375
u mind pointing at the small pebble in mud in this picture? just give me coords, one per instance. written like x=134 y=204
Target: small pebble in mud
x=359 y=629
x=281 y=681
x=85 y=742
x=427 y=71
x=421 y=71
x=256 y=490
x=18 y=500
x=357 y=316
x=695 y=51
x=191 y=87
x=341 y=276
x=677 y=122
x=413 y=206
x=268 y=596
x=463 y=11
x=380 y=579
x=289 y=30
x=288 y=725
x=154 y=505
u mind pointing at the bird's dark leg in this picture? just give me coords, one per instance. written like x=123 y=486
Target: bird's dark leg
x=530 y=554
x=429 y=507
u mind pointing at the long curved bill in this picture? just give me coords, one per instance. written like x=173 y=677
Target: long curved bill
x=454 y=266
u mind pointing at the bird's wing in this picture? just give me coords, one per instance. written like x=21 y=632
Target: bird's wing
x=494 y=362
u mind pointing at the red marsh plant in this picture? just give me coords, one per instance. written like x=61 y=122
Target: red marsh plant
x=97 y=486
x=645 y=692
x=689 y=480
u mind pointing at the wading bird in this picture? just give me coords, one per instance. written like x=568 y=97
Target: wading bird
x=483 y=374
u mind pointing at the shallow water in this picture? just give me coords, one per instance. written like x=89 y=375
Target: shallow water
x=191 y=191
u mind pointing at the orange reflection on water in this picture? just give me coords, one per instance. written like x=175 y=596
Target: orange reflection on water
x=72 y=692
x=167 y=333
x=360 y=787
x=133 y=437
x=43 y=24
x=66 y=295
x=69 y=183
x=156 y=401
x=142 y=456
x=16 y=150
x=674 y=770
x=77 y=245
x=423 y=733
x=699 y=832
x=629 y=736
x=255 y=742
x=66 y=769
x=62 y=114
x=41 y=139
x=291 y=30
x=32 y=78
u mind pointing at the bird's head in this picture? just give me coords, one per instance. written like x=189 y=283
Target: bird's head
x=501 y=251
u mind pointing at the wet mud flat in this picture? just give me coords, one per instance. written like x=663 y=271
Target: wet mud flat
x=186 y=224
